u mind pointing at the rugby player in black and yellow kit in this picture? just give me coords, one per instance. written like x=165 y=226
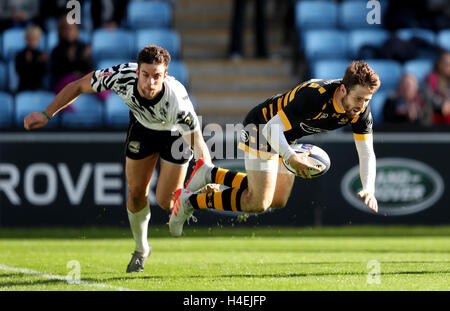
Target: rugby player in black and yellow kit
x=312 y=107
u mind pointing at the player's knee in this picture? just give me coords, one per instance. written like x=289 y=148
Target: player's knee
x=256 y=203
x=137 y=193
x=278 y=204
x=164 y=203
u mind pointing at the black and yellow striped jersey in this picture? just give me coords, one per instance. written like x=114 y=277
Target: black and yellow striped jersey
x=308 y=109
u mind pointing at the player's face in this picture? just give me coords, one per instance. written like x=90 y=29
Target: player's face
x=356 y=100
x=150 y=79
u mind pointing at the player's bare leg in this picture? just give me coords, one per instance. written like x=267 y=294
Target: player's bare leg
x=138 y=174
x=283 y=188
x=260 y=192
x=171 y=177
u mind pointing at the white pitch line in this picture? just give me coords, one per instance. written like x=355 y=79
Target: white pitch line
x=61 y=278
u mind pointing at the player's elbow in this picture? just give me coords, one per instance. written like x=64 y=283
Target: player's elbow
x=83 y=85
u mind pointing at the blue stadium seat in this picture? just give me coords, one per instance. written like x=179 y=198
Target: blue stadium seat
x=116 y=112
x=149 y=14
x=315 y=14
x=166 y=38
x=388 y=70
x=6 y=110
x=53 y=39
x=3 y=77
x=409 y=33
x=13 y=77
x=329 y=68
x=31 y=101
x=360 y=37
x=352 y=14
x=88 y=113
x=14 y=41
x=179 y=70
x=109 y=62
x=443 y=39
x=419 y=67
x=117 y=43
x=319 y=44
x=377 y=105
x=86 y=17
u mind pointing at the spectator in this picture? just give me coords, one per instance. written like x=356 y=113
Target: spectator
x=437 y=89
x=71 y=58
x=108 y=14
x=406 y=104
x=31 y=64
x=236 y=49
x=18 y=13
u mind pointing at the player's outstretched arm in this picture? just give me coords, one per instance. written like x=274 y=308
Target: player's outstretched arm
x=198 y=144
x=367 y=163
x=63 y=99
x=369 y=200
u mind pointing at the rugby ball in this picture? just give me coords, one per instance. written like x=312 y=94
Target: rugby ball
x=318 y=157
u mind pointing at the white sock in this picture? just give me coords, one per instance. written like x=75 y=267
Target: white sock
x=139 y=227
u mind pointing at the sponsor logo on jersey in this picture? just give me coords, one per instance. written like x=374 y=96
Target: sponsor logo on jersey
x=104 y=74
x=310 y=129
x=134 y=146
x=244 y=136
x=403 y=187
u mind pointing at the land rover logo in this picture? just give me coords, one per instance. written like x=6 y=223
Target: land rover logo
x=403 y=187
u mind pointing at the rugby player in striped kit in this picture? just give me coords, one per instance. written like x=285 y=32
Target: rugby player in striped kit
x=160 y=113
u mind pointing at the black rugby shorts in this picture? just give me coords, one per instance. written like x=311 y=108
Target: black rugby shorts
x=142 y=142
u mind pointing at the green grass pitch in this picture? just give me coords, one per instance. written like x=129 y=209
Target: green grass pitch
x=229 y=259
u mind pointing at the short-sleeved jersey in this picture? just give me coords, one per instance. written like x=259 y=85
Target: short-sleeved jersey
x=171 y=110
x=310 y=108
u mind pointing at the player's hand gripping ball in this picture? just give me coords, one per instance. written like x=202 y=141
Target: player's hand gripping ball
x=318 y=157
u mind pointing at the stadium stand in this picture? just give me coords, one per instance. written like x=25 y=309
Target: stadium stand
x=13 y=41
x=419 y=67
x=352 y=14
x=53 y=40
x=6 y=110
x=146 y=22
x=377 y=104
x=328 y=68
x=316 y=14
x=112 y=44
x=365 y=37
x=443 y=39
x=116 y=112
x=88 y=113
x=409 y=33
x=13 y=77
x=3 y=76
x=166 y=38
x=389 y=71
x=325 y=43
x=30 y=101
x=179 y=70
x=149 y=14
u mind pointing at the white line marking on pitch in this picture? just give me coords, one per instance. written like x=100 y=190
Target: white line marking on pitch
x=61 y=278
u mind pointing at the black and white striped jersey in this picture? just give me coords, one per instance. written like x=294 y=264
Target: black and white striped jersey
x=172 y=110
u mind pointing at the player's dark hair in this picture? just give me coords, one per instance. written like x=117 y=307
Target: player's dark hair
x=153 y=54
x=360 y=73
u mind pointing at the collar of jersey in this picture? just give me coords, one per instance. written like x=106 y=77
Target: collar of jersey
x=335 y=104
x=147 y=102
